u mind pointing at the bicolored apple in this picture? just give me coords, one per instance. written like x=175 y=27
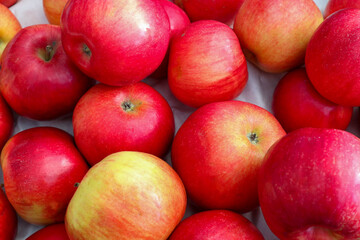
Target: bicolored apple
x=8 y=3
x=9 y=26
x=51 y=232
x=53 y=10
x=336 y=5
x=6 y=122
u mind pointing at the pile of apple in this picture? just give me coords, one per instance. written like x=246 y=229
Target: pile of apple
x=108 y=179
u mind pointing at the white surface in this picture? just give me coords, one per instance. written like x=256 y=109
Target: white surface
x=258 y=91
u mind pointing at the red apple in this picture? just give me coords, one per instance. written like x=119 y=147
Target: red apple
x=309 y=185
x=296 y=104
x=8 y=3
x=335 y=5
x=132 y=118
x=128 y=195
x=216 y=225
x=41 y=168
x=274 y=34
x=9 y=26
x=116 y=42
x=52 y=232
x=8 y=219
x=206 y=64
x=218 y=151
x=333 y=58
x=6 y=122
x=53 y=10
x=50 y=85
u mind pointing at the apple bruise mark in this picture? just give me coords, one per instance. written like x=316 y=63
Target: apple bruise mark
x=127 y=106
x=253 y=138
x=86 y=50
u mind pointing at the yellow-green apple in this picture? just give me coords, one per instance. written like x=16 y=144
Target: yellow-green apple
x=51 y=232
x=218 y=151
x=6 y=122
x=9 y=26
x=41 y=168
x=50 y=85
x=178 y=22
x=109 y=119
x=116 y=42
x=333 y=58
x=53 y=10
x=309 y=185
x=335 y=5
x=274 y=34
x=296 y=104
x=128 y=195
x=8 y=219
x=219 y=10
x=206 y=64
x=8 y=3
x=216 y=225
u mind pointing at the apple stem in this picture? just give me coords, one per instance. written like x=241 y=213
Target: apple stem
x=48 y=52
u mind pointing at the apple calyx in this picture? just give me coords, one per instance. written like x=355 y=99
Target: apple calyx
x=86 y=50
x=76 y=184
x=128 y=106
x=253 y=138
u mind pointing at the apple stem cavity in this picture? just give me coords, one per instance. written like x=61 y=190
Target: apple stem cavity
x=253 y=138
x=86 y=50
x=127 y=106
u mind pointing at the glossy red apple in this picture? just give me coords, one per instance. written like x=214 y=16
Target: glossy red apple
x=117 y=42
x=128 y=195
x=50 y=85
x=309 y=185
x=335 y=5
x=8 y=219
x=218 y=151
x=206 y=64
x=274 y=33
x=216 y=225
x=41 y=168
x=9 y=26
x=8 y=3
x=6 y=122
x=296 y=104
x=53 y=10
x=333 y=58
x=51 y=232
x=132 y=118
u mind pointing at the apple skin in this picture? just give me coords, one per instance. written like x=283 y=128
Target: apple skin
x=296 y=104
x=53 y=10
x=8 y=219
x=8 y=3
x=218 y=151
x=274 y=34
x=335 y=5
x=51 y=232
x=216 y=225
x=333 y=56
x=206 y=64
x=41 y=168
x=128 y=195
x=9 y=26
x=219 y=10
x=6 y=122
x=137 y=118
x=309 y=185
x=46 y=88
x=116 y=42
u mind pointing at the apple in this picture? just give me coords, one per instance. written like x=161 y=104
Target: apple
x=53 y=10
x=51 y=232
x=9 y=26
x=216 y=225
x=274 y=34
x=206 y=64
x=335 y=5
x=178 y=22
x=296 y=104
x=309 y=185
x=117 y=42
x=333 y=58
x=220 y=10
x=6 y=122
x=41 y=168
x=50 y=85
x=110 y=119
x=8 y=219
x=218 y=151
x=8 y=3
x=128 y=195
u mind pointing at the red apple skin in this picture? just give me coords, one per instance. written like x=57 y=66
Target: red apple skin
x=147 y=126
x=6 y=122
x=218 y=151
x=9 y=26
x=216 y=225
x=219 y=10
x=8 y=3
x=53 y=10
x=116 y=42
x=51 y=232
x=45 y=89
x=206 y=64
x=336 y=5
x=128 y=195
x=8 y=219
x=41 y=167
x=309 y=185
x=296 y=104
x=178 y=22
x=274 y=34
x=333 y=56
